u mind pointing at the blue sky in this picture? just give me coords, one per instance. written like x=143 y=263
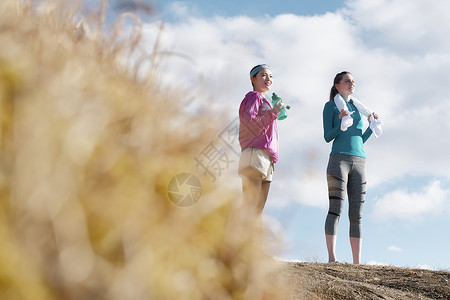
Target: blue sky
x=232 y=8
x=399 y=54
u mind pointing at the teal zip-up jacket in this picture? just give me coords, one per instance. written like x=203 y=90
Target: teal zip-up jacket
x=349 y=142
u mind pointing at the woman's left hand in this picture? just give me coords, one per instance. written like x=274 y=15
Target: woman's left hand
x=278 y=106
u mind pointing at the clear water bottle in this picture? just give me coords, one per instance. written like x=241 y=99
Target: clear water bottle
x=283 y=113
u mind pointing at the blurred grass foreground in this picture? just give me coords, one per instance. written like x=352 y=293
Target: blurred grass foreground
x=88 y=146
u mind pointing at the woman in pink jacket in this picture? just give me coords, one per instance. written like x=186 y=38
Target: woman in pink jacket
x=258 y=137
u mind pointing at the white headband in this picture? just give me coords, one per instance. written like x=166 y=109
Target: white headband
x=257 y=69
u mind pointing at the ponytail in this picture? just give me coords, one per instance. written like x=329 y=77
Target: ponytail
x=333 y=92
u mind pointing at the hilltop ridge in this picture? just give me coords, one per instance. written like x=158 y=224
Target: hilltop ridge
x=347 y=281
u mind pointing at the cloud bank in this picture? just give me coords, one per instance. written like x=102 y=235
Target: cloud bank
x=433 y=200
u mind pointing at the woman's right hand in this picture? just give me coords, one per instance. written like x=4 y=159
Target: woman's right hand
x=375 y=116
x=343 y=113
x=278 y=106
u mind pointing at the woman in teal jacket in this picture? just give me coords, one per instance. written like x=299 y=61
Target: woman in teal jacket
x=346 y=166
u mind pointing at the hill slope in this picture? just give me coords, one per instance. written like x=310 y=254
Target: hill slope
x=348 y=281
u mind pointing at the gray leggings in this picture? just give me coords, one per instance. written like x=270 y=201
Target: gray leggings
x=345 y=173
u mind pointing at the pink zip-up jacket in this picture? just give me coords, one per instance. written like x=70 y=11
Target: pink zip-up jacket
x=258 y=126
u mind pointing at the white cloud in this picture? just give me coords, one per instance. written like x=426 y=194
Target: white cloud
x=413 y=205
x=394 y=249
x=425 y=267
x=413 y=27
x=179 y=9
x=397 y=50
x=305 y=188
x=275 y=234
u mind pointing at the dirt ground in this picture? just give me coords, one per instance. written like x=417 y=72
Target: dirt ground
x=347 y=281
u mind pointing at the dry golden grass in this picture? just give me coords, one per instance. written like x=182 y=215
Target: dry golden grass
x=88 y=144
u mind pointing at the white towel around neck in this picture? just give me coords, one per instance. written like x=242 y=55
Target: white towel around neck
x=347 y=121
